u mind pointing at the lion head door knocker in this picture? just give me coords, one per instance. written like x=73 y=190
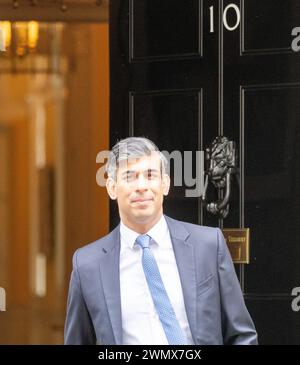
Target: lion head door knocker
x=221 y=163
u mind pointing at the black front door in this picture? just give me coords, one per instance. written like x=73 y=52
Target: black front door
x=184 y=72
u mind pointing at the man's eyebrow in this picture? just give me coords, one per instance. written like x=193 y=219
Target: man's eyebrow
x=152 y=170
x=127 y=172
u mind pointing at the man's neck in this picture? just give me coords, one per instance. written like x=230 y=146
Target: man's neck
x=141 y=228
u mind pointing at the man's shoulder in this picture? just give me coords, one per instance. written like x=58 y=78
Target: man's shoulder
x=192 y=227
x=198 y=235
x=94 y=250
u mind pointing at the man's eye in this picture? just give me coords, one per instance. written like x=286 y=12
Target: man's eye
x=151 y=175
x=130 y=177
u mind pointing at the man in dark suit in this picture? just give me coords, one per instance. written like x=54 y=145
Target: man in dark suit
x=153 y=279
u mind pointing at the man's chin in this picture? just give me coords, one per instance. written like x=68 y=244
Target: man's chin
x=144 y=216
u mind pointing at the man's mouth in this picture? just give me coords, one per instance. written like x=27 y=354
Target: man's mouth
x=141 y=200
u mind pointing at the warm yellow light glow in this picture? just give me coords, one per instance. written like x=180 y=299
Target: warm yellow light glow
x=24 y=35
x=6 y=32
x=33 y=34
x=21 y=37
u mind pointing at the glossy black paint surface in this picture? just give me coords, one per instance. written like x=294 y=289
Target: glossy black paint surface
x=181 y=85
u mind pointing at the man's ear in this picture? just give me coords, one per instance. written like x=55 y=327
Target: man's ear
x=166 y=184
x=111 y=188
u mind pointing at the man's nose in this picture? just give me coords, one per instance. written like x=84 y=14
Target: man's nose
x=142 y=182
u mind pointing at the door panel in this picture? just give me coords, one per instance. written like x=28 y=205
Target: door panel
x=272 y=131
x=267 y=25
x=155 y=32
x=176 y=120
x=272 y=197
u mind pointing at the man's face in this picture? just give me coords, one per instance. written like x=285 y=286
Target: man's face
x=139 y=189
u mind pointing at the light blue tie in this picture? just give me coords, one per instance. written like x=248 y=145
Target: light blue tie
x=160 y=297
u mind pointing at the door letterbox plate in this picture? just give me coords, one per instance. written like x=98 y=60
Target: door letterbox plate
x=238 y=242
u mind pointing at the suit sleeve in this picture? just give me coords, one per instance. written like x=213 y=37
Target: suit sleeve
x=79 y=329
x=237 y=325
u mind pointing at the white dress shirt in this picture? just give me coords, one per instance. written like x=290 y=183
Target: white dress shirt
x=140 y=321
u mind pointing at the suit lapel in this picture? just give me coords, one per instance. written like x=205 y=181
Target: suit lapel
x=184 y=254
x=110 y=275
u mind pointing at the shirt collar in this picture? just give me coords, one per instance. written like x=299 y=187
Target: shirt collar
x=158 y=233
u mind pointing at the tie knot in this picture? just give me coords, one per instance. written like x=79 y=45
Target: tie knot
x=143 y=240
